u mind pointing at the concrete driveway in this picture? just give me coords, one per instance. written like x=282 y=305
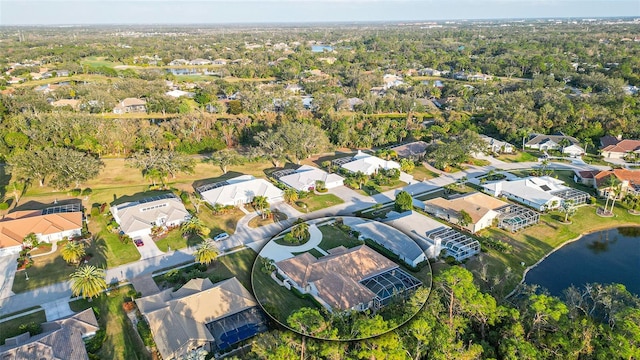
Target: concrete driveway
x=278 y=252
x=149 y=249
x=8 y=267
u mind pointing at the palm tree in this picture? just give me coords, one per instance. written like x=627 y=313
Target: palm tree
x=568 y=207
x=611 y=183
x=564 y=142
x=193 y=226
x=587 y=142
x=88 y=281
x=206 y=253
x=360 y=178
x=300 y=231
x=73 y=252
x=615 y=192
x=290 y=195
x=260 y=203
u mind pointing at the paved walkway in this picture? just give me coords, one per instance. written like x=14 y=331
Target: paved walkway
x=279 y=252
x=149 y=249
x=54 y=247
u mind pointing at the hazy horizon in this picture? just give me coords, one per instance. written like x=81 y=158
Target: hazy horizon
x=221 y=12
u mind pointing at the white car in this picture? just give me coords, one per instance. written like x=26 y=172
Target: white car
x=221 y=237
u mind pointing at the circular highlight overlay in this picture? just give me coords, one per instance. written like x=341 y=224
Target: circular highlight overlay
x=341 y=278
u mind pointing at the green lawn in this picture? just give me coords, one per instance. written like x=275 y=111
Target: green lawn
x=316 y=202
x=175 y=240
x=431 y=195
x=479 y=162
x=115 y=251
x=316 y=254
x=517 y=157
x=422 y=173
x=333 y=237
x=121 y=341
x=220 y=223
x=240 y=264
x=51 y=269
x=98 y=61
x=276 y=299
x=371 y=188
x=532 y=243
x=11 y=328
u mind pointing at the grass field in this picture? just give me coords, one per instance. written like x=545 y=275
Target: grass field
x=51 y=269
x=277 y=300
x=422 y=173
x=175 y=240
x=121 y=341
x=115 y=251
x=11 y=328
x=371 y=188
x=316 y=202
x=333 y=237
x=517 y=157
x=98 y=61
x=531 y=244
x=240 y=264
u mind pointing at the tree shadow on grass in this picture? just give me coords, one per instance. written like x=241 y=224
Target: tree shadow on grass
x=213 y=180
x=36 y=205
x=137 y=196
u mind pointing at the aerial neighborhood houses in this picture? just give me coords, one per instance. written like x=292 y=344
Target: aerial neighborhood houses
x=137 y=218
x=566 y=144
x=621 y=149
x=628 y=181
x=414 y=150
x=130 y=105
x=482 y=210
x=497 y=146
x=365 y=163
x=239 y=191
x=201 y=317
x=306 y=178
x=49 y=225
x=541 y=193
x=60 y=339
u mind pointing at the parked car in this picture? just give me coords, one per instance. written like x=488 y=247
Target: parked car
x=138 y=242
x=221 y=237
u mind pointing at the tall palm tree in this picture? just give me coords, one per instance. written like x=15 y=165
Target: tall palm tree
x=193 y=226
x=88 y=281
x=73 y=252
x=291 y=195
x=300 y=231
x=615 y=193
x=611 y=183
x=206 y=253
x=260 y=203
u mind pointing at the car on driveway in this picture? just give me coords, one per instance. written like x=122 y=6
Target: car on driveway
x=221 y=237
x=138 y=242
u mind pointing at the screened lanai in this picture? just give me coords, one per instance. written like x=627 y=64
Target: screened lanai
x=458 y=245
x=515 y=217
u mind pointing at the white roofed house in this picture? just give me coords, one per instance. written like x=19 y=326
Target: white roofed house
x=130 y=105
x=200 y=62
x=541 y=193
x=305 y=177
x=368 y=164
x=555 y=142
x=240 y=190
x=138 y=217
x=495 y=146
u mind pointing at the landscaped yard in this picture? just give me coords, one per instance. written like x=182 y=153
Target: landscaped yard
x=520 y=156
x=371 y=188
x=277 y=300
x=316 y=202
x=51 y=269
x=532 y=243
x=121 y=341
x=333 y=237
x=114 y=251
x=175 y=241
x=11 y=328
x=240 y=264
x=275 y=217
x=219 y=223
x=422 y=173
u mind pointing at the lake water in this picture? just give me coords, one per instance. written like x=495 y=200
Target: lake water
x=321 y=48
x=610 y=256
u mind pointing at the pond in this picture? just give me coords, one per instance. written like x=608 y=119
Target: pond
x=321 y=48
x=609 y=256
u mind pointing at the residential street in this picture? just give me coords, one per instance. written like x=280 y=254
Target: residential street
x=251 y=237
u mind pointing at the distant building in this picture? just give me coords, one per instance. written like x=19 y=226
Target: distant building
x=365 y=163
x=305 y=177
x=553 y=142
x=620 y=149
x=179 y=93
x=541 y=193
x=130 y=105
x=139 y=217
x=413 y=150
x=496 y=146
x=240 y=190
x=200 y=62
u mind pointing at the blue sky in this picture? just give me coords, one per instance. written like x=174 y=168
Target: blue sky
x=52 y=12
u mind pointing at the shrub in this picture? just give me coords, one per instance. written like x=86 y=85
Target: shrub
x=145 y=333
x=95 y=212
x=94 y=344
x=32 y=328
x=4 y=205
x=87 y=192
x=75 y=192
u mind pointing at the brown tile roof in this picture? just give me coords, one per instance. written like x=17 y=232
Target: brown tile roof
x=588 y=174
x=632 y=176
x=132 y=102
x=14 y=227
x=336 y=275
x=624 y=146
x=477 y=205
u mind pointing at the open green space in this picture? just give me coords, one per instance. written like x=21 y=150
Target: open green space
x=420 y=172
x=114 y=250
x=520 y=156
x=121 y=341
x=51 y=269
x=174 y=241
x=332 y=237
x=98 y=61
x=277 y=300
x=240 y=264
x=11 y=328
x=533 y=243
x=315 y=202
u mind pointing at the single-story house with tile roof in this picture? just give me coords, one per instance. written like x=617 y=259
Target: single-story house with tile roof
x=541 y=193
x=201 y=315
x=368 y=164
x=552 y=142
x=621 y=149
x=480 y=207
x=629 y=181
x=240 y=190
x=48 y=227
x=304 y=178
x=344 y=279
x=179 y=93
x=130 y=105
x=60 y=340
x=138 y=217
x=413 y=150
